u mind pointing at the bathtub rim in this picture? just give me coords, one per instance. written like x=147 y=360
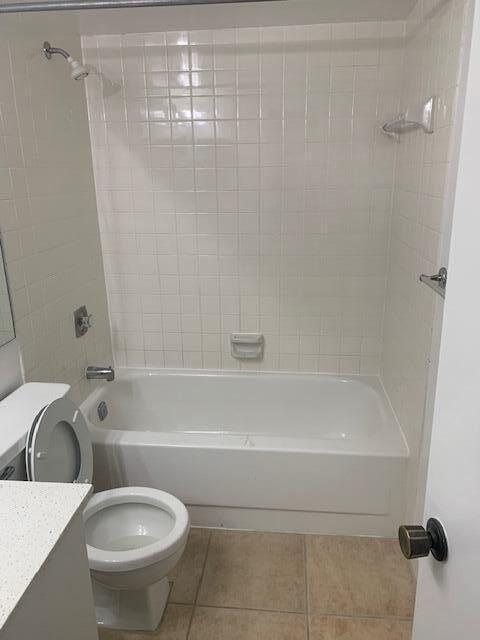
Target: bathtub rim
x=323 y=445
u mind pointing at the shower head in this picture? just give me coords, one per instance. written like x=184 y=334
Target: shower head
x=78 y=70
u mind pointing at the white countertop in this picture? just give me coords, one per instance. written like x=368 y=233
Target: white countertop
x=33 y=516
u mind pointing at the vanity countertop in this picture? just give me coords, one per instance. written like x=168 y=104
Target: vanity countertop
x=33 y=517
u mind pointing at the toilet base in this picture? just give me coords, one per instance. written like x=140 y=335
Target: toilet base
x=131 y=609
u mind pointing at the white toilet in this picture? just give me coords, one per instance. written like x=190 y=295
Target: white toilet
x=134 y=535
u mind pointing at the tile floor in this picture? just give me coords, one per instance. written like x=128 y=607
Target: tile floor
x=233 y=585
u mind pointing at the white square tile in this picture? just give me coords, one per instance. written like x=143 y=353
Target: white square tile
x=283 y=185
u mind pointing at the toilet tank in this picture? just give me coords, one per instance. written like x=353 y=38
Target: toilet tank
x=17 y=414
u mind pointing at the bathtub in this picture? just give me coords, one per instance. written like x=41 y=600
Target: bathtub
x=277 y=452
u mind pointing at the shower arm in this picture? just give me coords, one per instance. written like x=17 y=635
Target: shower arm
x=75 y=5
x=50 y=51
x=78 y=71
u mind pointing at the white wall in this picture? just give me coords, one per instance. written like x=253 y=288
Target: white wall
x=11 y=374
x=243 y=185
x=7 y=331
x=422 y=204
x=48 y=213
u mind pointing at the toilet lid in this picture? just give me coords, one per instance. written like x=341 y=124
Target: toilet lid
x=59 y=447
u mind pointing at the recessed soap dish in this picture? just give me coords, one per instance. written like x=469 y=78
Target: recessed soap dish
x=247 y=346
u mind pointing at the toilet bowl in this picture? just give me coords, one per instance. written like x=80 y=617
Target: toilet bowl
x=134 y=535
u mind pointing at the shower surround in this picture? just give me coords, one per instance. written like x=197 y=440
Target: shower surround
x=436 y=57
x=243 y=185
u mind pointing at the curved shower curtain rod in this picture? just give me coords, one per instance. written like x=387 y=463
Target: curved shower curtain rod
x=75 y=5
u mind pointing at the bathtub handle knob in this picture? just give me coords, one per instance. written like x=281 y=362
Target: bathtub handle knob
x=417 y=542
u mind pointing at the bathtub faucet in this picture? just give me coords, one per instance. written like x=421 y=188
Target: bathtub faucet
x=100 y=373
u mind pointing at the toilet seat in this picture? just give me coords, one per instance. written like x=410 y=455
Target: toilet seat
x=59 y=447
x=106 y=559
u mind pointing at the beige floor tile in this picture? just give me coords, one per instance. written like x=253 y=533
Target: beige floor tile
x=254 y=571
x=332 y=628
x=186 y=575
x=174 y=626
x=238 y=624
x=358 y=576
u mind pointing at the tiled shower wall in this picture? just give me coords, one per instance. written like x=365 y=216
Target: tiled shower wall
x=437 y=33
x=6 y=323
x=243 y=185
x=48 y=215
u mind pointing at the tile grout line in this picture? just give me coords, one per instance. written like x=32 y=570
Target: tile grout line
x=362 y=616
x=203 y=568
x=236 y=608
x=321 y=613
x=199 y=585
x=307 y=612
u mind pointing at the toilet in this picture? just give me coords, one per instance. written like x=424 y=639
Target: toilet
x=134 y=535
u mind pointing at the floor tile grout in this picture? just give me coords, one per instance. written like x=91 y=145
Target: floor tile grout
x=363 y=616
x=307 y=616
x=299 y=613
x=207 y=551
x=234 y=608
x=199 y=585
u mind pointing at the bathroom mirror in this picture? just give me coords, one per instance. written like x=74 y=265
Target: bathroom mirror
x=7 y=330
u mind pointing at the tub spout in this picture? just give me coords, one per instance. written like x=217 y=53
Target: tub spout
x=100 y=373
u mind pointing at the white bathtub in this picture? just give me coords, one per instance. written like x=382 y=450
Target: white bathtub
x=309 y=453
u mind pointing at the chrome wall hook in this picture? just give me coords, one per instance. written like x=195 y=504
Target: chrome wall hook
x=437 y=282
x=418 y=117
